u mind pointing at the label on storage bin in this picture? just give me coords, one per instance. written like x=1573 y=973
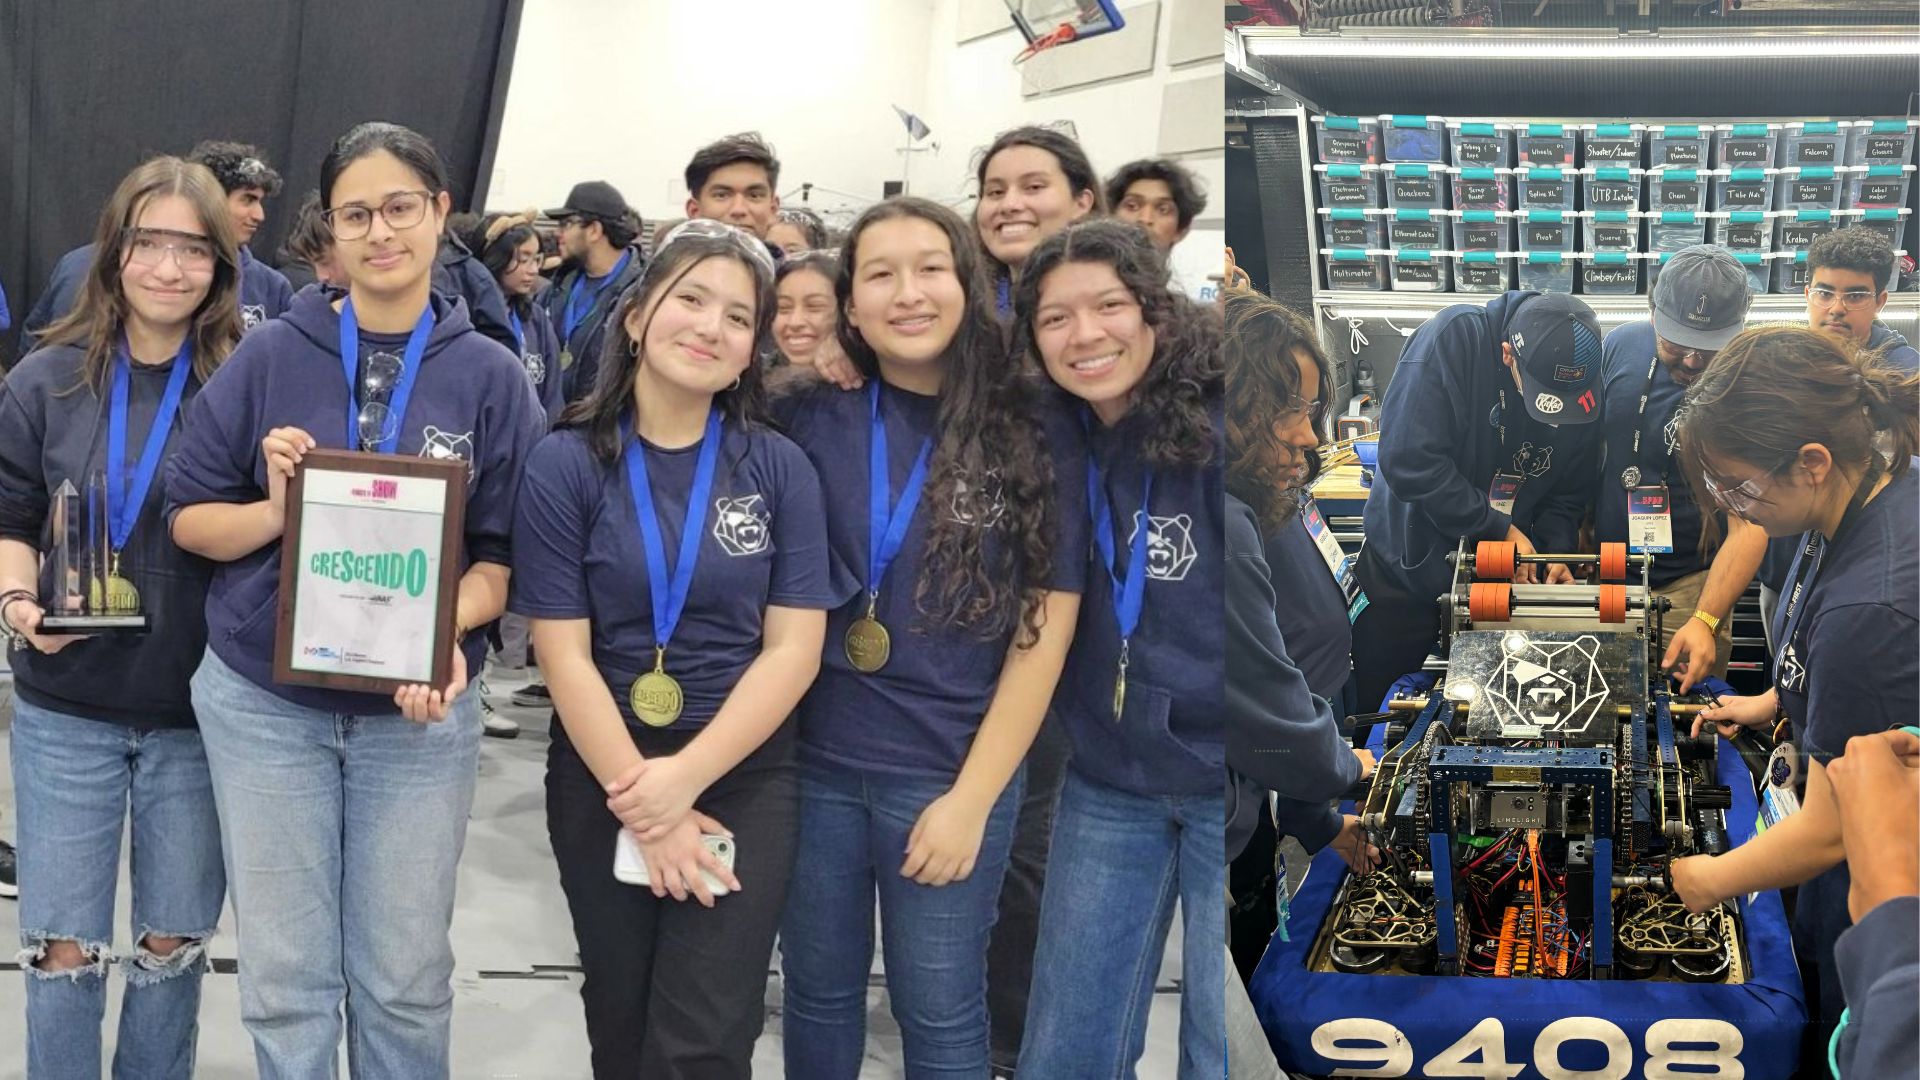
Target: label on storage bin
x=1350 y=192
x=1344 y=144
x=1680 y=193
x=1795 y=235
x=1604 y=193
x=1546 y=236
x=1347 y=234
x=1820 y=150
x=1747 y=193
x=1482 y=276
x=1415 y=189
x=1881 y=192
x=1539 y=150
x=1606 y=275
x=1744 y=236
x=1477 y=193
x=1359 y=275
x=1750 y=150
x=1546 y=191
x=1796 y=276
x=1812 y=191
x=1886 y=147
x=1615 y=237
x=1680 y=153
x=1482 y=237
x=1416 y=234
x=1418 y=272
x=1612 y=150
x=1478 y=151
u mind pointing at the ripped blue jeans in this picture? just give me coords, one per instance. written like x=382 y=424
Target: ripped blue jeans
x=76 y=781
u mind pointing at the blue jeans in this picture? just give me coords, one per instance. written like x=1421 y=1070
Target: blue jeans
x=1119 y=862
x=342 y=836
x=853 y=840
x=73 y=782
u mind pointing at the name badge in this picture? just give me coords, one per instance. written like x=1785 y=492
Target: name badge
x=1502 y=491
x=1339 y=563
x=1649 y=520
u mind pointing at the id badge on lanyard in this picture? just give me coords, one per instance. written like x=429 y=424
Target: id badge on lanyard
x=1649 y=519
x=1503 y=490
x=1339 y=563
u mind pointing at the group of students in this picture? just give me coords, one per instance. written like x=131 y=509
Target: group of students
x=872 y=597
x=1518 y=421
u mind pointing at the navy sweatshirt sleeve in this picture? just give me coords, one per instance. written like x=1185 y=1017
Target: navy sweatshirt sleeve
x=1879 y=963
x=509 y=426
x=1278 y=732
x=23 y=492
x=62 y=288
x=459 y=275
x=1424 y=422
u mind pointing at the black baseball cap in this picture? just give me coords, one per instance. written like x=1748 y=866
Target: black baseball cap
x=593 y=198
x=1556 y=346
x=1701 y=298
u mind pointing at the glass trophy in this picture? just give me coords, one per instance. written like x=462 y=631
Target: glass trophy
x=89 y=595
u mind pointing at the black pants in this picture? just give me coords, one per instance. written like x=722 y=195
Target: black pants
x=672 y=989
x=1392 y=636
x=1010 y=952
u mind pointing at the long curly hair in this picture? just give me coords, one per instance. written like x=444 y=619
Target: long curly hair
x=986 y=431
x=1260 y=346
x=1183 y=380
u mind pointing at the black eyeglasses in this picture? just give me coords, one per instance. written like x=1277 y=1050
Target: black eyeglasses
x=402 y=210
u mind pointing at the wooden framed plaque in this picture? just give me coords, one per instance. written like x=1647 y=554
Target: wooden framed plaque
x=370 y=571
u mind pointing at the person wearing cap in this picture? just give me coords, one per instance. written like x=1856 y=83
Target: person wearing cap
x=1485 y=434
x=599 y=240
x=1699 y=304
x=248 y=181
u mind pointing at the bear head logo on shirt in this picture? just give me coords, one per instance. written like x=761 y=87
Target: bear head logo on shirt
x=446 y=446
x=536 y=368
x=1531 y=460
x=981 y=507
x=1170 y=550
x=740 y=524
x=252 y=315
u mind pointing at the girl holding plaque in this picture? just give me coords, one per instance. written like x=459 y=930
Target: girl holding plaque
x=343 y=813
x=103 y=727
x=1141 y=817
x=670 y=551
x=954 y=514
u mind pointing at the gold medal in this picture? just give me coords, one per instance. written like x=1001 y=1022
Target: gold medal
x=1120 y=684
x=655 y=696
x=868 y=644
x=566 y=359
x=120 y=594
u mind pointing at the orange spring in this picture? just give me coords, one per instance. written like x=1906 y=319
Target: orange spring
x=1613 y=603
x=1509 y=937
x=1490 y=601
x=1613 y=562
x=1493 y=560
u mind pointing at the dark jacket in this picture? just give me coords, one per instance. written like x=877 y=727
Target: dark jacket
x=588 y=335
x=456 y=273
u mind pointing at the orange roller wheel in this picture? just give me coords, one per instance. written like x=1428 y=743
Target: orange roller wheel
x=1490 y=601
x=1613 y=562
x=1493 y=560
x=1613 y=602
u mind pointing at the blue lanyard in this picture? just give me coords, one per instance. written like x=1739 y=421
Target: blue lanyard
x=123 y=507
x=575 y=315
x=668 y=605
x=1130 y=595
x=519 y=331
x=410 y=367
x=887 y=524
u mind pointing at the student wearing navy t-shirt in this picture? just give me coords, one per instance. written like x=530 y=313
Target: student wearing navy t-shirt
x=1796 y=433
x=954 y=515
x=1032 y=182
x=103 y=730
x=663 y=530
x=343 y=813
x=1141 y=818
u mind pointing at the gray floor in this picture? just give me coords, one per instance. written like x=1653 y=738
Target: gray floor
x=517 y=1012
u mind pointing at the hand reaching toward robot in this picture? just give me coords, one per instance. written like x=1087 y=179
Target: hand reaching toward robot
x=1729 y=713
x=1360 y=855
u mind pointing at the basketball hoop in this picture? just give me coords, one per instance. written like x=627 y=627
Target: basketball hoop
x=1059 y=35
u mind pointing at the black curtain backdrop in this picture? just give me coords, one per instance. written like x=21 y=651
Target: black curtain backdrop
x=93 y=87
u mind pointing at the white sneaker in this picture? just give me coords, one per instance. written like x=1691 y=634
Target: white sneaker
x=492 y=724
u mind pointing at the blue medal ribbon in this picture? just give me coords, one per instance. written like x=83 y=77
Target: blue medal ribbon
x=886 y=520
x=1130 y=594
x=123 y=506
x=519 y=331
x=668 y=604
x=575 y=314
x=409 y=368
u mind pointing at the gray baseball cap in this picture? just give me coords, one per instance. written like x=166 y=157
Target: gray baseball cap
x=1700 y=298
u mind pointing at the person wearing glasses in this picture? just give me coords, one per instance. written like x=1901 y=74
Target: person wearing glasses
x=1485 y=434
x=104 y=729
x=599 y=243
x=508 y=246
x=248 y=181
x=1805 y=437
x=1699 y=303
x=666 y=537
x=343 y=813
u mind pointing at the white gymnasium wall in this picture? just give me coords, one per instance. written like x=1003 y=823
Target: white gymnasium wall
x=625 y=91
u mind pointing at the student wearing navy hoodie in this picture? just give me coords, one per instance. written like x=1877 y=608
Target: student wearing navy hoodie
x=670 y=445
x=103 y=728
x=1141 y=818
x=1486 y=433
x=508 y=247
x=249 y=182
x=343 y=813
x=1801 y=436
x=1878 y=957
x=954 y=516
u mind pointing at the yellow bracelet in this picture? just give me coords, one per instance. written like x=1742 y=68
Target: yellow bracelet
x=1713 y=624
